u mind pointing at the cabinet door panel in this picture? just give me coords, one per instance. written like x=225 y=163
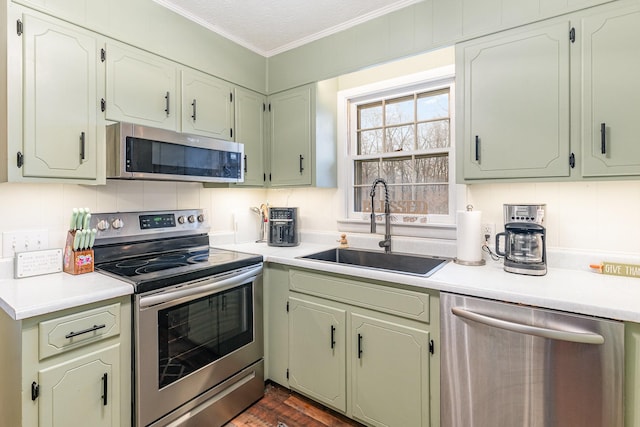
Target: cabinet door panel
x=317 y=352
x=516 y=105
x=383 y=396
x=611 y=93
x=60 y=101
x=291 y=128
x=73 y=391
x=250 y=130
x=141 y=88
x=212 y=114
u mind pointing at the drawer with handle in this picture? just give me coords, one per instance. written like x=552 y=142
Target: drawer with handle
x=76 y=330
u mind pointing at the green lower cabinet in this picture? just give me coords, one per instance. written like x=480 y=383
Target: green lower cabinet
x=390 y=373
x=632 y=374
x=379 y=365
x=81 y=389
x=317 y=352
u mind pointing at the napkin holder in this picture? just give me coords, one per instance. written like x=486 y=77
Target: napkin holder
x=78 y=261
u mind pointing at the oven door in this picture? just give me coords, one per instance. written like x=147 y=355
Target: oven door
x=192 y=337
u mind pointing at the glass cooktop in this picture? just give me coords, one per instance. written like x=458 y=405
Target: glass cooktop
x=150 y=272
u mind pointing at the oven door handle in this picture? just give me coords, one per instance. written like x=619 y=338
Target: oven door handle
x=235 y=280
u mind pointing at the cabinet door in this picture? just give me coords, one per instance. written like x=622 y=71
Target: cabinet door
x=515 y=104
x=60 y=100
x=250 y=130
x=141 y=88
x=611 y=93
x=317 y=352
x=291 y=133
x=84 y=390
x=390 y=373
x=207 y=105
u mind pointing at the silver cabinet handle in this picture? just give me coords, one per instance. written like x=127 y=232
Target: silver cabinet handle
x=554 y=334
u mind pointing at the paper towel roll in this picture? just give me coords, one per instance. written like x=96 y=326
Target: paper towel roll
x=468 y=234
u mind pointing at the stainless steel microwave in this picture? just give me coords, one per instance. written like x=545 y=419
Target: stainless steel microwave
x=142 y=152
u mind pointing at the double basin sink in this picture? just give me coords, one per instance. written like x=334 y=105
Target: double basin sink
x=423 y=266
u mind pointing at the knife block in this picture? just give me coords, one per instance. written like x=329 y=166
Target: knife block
x=76 y=262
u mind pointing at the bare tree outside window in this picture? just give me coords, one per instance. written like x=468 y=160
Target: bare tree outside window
x=404 y=140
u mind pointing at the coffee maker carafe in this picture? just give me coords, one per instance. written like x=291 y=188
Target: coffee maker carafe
x=525 y=249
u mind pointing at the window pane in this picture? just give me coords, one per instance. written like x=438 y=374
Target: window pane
x=403 y=200
x=362 y=199
x=433 y=106
x=400 y=138
x=365 y=171
x=432 y=169
x=370 y=142
x=436 y=196
x=433 y=134
x=370 y=116
x=399 y=111
x=398 y=171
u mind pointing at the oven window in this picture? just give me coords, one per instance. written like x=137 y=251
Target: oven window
x=198 y=332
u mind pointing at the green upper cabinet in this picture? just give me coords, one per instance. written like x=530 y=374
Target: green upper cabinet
x=207 y=105
x=303 y=136
x=513 y=104
x=250 y=131
x=142 y=88
x=60 y=102
x=291 y=139
x=611 y=93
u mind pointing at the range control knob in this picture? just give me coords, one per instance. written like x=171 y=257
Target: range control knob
x=181 y=219
x=192 y=219
x=102 y=225
x=200 y=218
x=117 y=223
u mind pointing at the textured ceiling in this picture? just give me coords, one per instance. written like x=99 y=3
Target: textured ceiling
x=269 y=27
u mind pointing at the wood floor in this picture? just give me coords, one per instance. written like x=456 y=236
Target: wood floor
x=282 y=408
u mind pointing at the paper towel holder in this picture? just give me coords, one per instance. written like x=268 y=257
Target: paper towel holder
x=469 y=263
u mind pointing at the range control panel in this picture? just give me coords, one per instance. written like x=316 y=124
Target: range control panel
x=139 y=225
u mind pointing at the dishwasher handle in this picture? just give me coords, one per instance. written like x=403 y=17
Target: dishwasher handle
x=554 y=334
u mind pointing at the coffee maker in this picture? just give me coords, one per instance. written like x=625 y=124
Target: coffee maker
x=283 y=227
x=525 y=249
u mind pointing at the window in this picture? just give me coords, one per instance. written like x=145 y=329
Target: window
x=403 y=135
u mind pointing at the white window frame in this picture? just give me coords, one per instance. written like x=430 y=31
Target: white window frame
x=437 y=226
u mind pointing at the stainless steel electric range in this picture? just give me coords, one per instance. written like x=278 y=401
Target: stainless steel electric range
x=198 y=333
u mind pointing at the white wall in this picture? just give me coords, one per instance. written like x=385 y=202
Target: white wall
x=590 y=216
x=48 y=206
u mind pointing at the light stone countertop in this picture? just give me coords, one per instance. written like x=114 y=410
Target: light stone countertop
x=33 y=296
x=572 y=290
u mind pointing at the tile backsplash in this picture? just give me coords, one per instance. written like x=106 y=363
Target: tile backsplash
x=589 y=216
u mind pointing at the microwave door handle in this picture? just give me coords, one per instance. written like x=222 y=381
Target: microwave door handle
x=554 y=334
x=203 y=290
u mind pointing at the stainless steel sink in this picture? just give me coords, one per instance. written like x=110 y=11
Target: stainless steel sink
x=394 y=262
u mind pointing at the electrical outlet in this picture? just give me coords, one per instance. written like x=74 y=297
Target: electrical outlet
x=490 y=230
x=23 y=241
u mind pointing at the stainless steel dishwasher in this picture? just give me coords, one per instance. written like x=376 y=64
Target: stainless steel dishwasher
x=507 y=365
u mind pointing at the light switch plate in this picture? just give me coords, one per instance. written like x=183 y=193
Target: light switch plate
x=23 y=241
